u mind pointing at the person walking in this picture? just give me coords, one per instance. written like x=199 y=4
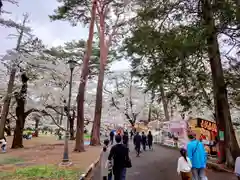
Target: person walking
x=198 y=157
x=144 y=141
x=131 y=134
x=111 y=137
x=121 y=160
x=137 y=142
x=3 y=143
x=125 y=139
x=125 y=142
x=184 y=166
x=106 y=171
x=119 y=136
x=150 y=140
x=237 y=168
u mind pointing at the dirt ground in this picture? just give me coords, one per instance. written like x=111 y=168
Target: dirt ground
x=46 y=150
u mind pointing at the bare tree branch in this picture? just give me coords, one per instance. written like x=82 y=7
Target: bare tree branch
x=45 y=113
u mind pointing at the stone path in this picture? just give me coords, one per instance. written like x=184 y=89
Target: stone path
x=159 y=164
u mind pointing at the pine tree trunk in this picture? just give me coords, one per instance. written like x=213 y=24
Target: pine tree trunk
x=165 y=104
x=20 y=109
x=229 y=147
x=150 y=106
x=5 y=108
x=7 y=101
x=238 y=12
x=149 y=112
x=171 y=110
x=95 y=134
x=79 y=145
x=36 y=126
x=18 y=132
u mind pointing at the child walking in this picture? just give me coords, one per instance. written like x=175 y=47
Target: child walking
x=106 y=167
x=184 y=166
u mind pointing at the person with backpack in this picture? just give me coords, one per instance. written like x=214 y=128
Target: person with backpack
x=198 y=157
x=119 y=153
x=184 y=165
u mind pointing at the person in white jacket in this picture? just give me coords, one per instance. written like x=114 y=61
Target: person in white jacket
x=184 y=166
x=106 y=166
x=3 y=143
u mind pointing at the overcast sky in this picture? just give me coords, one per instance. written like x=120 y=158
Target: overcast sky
x=52 y=33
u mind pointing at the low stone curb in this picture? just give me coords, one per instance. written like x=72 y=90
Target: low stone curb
x=89 y=169
x=218 y=168
x=210 y=165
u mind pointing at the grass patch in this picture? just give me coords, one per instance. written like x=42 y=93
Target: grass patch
x=4 y=174
x=10 y=160
x=42 y=172
x=87 y=136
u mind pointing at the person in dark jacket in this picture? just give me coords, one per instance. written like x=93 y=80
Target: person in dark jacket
x=111 y=136
x=125 y=139
x=119 y=136
x=150 y=140
x=120 y=155
x=137 y=142
x=131 y=134
x=144 y=141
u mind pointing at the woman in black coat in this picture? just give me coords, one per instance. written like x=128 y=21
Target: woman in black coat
x=150 y=139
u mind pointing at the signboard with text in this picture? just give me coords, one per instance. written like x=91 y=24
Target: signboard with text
x=208 y=125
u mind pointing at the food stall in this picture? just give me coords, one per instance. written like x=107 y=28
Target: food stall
x=141 y=127
x=206 y=131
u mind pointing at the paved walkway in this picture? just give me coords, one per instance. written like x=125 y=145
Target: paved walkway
x=159 y=164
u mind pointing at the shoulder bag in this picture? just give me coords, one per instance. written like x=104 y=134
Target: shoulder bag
x=195 y=149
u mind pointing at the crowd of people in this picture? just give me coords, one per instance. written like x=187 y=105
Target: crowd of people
x=116 y=160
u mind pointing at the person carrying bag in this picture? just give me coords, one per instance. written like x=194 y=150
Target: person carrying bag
x=198 y=157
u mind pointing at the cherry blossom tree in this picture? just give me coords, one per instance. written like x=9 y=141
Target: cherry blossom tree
x=20 y=112
x=112 y=16
x=67 y=12
x=95 y=12
x=4 y=19
x=56 y=77
x=127 y=96
x=14 y=62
